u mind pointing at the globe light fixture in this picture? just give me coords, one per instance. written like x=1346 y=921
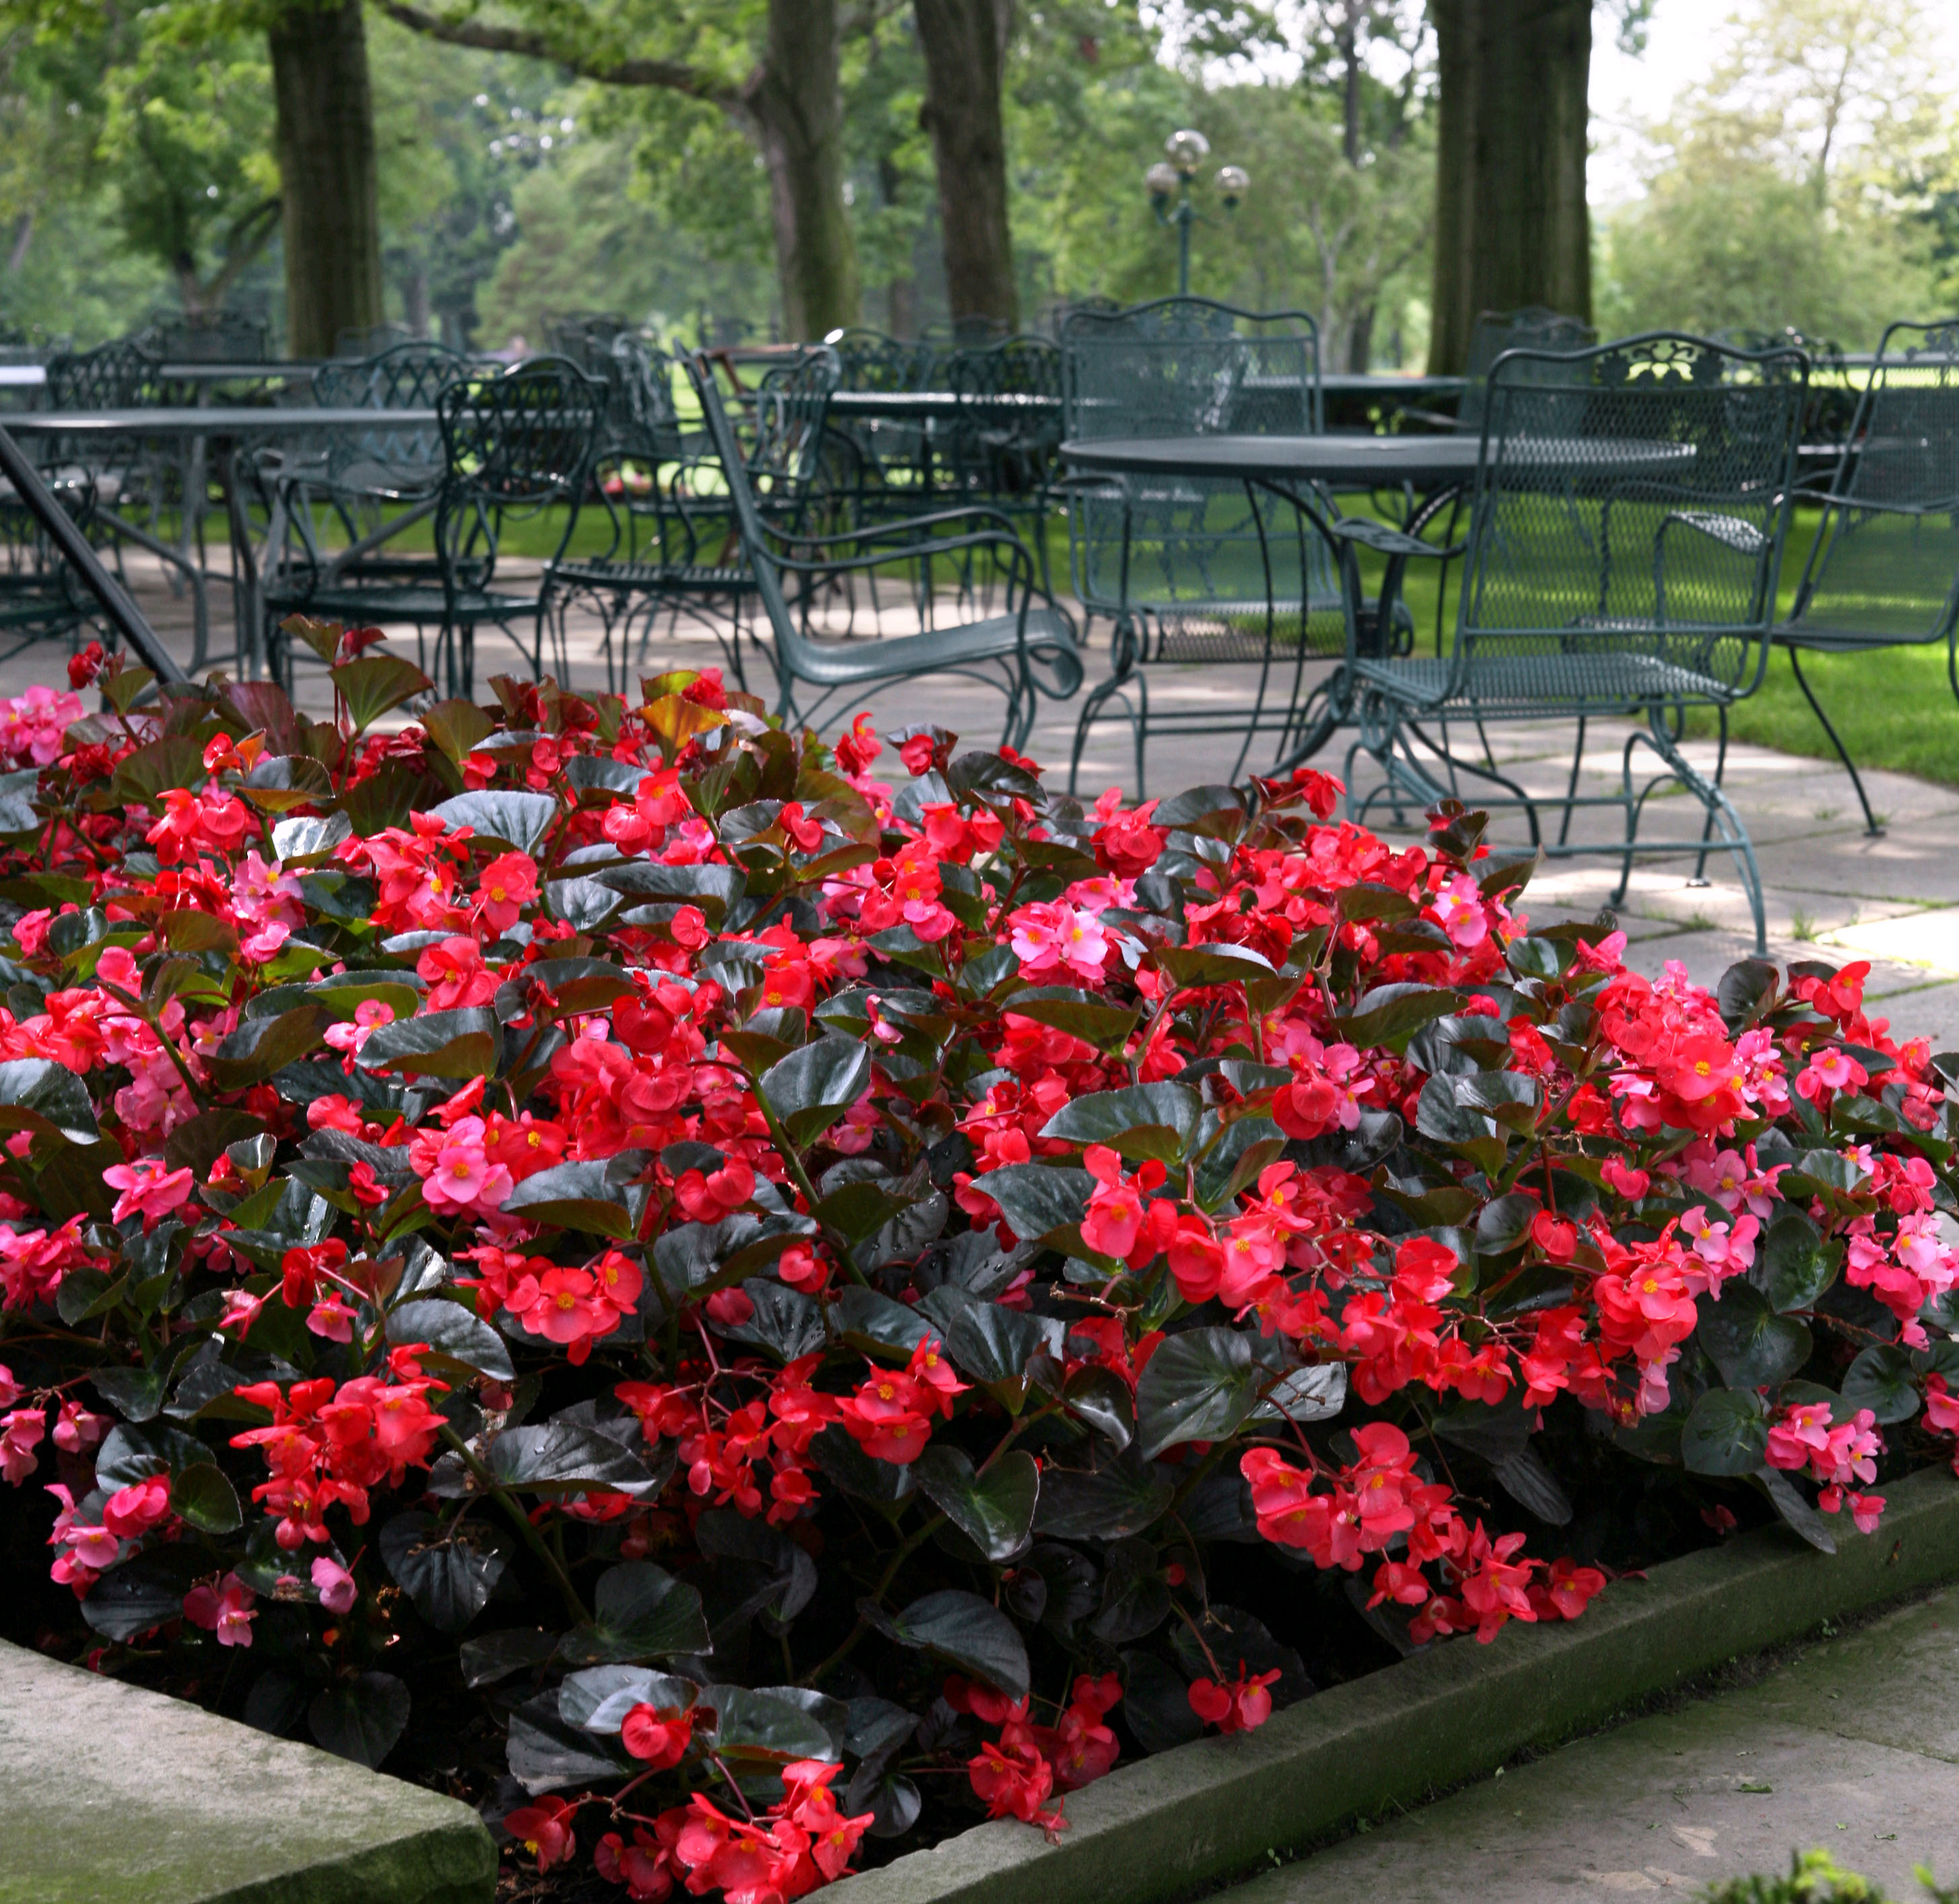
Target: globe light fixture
x=1169 y=182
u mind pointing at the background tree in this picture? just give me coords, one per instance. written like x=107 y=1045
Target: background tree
x=1798 y=184
x=781 y=87
x=965 y=44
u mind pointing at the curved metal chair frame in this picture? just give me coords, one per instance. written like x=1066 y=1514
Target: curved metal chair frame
x=1193 y=569
x=515 y=446
x=1629 y=511
x=1027 y=650
x=1882 y=571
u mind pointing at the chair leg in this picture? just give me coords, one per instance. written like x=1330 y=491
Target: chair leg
x=1871 y=825
x=1721 y=810
x=1707 y=829
x=1571 y=786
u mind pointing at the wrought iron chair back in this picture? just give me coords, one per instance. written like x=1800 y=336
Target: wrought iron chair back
x=388 y=461
x=118 y=375
x=872 y=360
x=1628 y=522
x=786 y=456
x=1534 y=328
x=1883 y=570
x=1195 y=569
x=208 y=337
x=1001 y=450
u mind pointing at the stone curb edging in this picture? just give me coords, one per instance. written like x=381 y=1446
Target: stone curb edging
x=117 y=1795
x=1167 y=1826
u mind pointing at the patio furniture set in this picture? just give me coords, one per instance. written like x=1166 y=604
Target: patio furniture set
x=1612 y=522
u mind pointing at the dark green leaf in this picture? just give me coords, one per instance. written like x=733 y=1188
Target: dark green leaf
x=1796 y=1264
x=995 y=1510
x=640 y=1612
x=361 y=1719
x=869 y=1320
x=519 y=821
x=1881 y=1380
x=456 y=1334
x=144 y=1592
x=130 y=1454
x=1316 y=1393
x=1392 y=1011
x=1100 y=1021
x=966 y=1632
x=1140 y=1122
x=1796 y=1512
x=1122 y=1495
x=448 y=1577
x=136 y=1394
x=204 y=1498
x=40 y=1095
x=496 y=1656
x=1746 y=991
x=576 y=1197
x=810 y=1088
x=1200 y=966
x=375 y=683
x=1199 y=1386
x=1101 y=1398
x=458 y=1044
x=1726 y=1433
x=755 y=1730
x=561 y=1457
x=1751 y=1346
x=545 y=1753
x=1037 y=1200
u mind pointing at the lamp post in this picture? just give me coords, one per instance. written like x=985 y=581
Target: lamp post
x=1170 y=179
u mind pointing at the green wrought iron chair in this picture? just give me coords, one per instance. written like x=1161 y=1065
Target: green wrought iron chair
x=1027 y=650
x=516 y=447
x=667 y=550
x=1003 y=448
x=130 y=482
x=1627 y=526
x=1196 y=569
x=1882 y=571
x=890 y=469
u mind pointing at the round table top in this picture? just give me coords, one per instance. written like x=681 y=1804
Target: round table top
x=934 y=403
x=214 y=420
x=1352 y=461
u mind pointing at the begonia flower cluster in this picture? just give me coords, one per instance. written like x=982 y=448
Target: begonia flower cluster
x=793 y=1309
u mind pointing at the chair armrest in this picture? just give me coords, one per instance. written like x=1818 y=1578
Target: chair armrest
x=907 y=525
x=936 y=545
x=1386 y=541
x=1743 y=538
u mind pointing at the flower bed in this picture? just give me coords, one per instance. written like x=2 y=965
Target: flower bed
x=746 y=1316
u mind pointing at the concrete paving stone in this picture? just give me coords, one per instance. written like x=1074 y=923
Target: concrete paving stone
x=1929 y=939
x=115 y=1795
x=1852 y=1747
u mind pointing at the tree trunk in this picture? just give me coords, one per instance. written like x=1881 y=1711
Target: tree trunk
x=325 y=138
x=795 y=102
x=964 y=43
x=1511 y=224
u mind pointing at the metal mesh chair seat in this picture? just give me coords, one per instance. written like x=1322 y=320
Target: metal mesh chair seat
x=599 y=574
x=1882 y=571
x=1627 y=524
x=1606 y=680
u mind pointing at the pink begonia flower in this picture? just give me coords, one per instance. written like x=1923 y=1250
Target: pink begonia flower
x=79 y=1430
x=260 y=892
x=96 y=1548
x=30 y=932
x=336 y=1590
x=10 y=1389
x=118 y=967
x=1459 y=907
x=265 y=945
x=32 y=724
x=133 y=1511
x=1831 y=1068
x=226 y=1609
x=20 y=1433
x=464 y=1177
x=146 y=1186
x=1720 y=1250
x=331 y=1318
x=508 y=884
x=369 y=1016
x=241 y=1310
x=1047 y=936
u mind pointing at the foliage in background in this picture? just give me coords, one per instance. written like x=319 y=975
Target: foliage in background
x=1794 y=186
